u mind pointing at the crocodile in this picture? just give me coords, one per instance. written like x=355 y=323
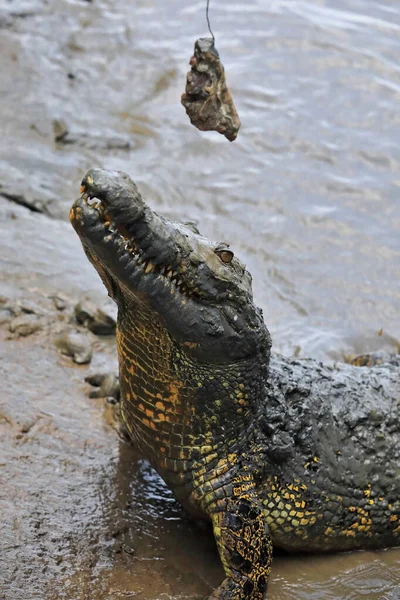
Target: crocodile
x=274 y=451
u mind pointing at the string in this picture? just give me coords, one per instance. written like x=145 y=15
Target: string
x=208 y=20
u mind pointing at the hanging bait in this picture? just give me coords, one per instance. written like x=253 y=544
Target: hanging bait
x=207 y=100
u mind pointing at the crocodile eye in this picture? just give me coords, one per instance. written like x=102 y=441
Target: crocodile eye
x=225 y=255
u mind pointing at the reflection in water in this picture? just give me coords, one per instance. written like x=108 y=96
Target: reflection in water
x=146 y=544
x=349 y=576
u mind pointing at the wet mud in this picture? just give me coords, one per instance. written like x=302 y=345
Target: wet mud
x=308 y=196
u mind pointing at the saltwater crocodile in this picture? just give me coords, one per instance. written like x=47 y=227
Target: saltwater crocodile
x=273 y=450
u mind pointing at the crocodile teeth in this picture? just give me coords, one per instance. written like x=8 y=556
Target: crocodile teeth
x=167 y=272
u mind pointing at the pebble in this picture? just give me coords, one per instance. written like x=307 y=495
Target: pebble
x=25 y=325
x=107 y=384
x=60 y=301
x=75 y=344
x=94 y=318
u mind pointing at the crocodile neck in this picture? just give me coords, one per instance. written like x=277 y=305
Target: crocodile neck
x=183 y=414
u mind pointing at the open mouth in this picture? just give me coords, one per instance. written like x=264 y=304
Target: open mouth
x=118 y=235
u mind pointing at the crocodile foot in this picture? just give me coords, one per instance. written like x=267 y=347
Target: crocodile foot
x=244 y=544
x=242 y=589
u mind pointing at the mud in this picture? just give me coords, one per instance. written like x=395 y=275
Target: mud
x=308 y=196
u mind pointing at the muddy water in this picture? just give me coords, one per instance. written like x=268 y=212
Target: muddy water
x=308 y=195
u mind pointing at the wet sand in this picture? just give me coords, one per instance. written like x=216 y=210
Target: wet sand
x=308 y=196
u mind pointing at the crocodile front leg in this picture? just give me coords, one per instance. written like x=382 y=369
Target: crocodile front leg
x=244 y=545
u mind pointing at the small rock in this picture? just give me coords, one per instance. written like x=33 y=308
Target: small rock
x=6 y=315
x=60 y=129
x=27 y=426
x=25 y=325
x=107 y=384
x=95 y=380
x=29 y=307
x=75 y=344
x=94 y=318
x=60 y=301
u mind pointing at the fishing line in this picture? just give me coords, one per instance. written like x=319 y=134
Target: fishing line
x=208 y=20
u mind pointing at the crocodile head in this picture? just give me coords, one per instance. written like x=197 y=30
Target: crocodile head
x=197 y=289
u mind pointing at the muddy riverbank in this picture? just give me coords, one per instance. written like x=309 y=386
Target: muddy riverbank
x=308 y=195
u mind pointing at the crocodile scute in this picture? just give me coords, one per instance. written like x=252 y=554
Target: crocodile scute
x=274 y=451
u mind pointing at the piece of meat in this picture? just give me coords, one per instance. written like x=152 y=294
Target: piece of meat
x=207 y=99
